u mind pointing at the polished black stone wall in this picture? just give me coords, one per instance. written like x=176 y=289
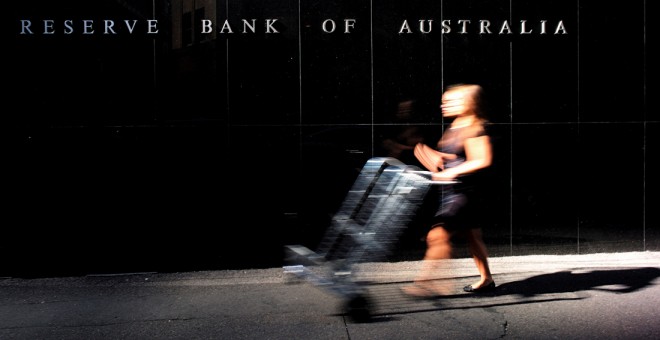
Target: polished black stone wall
x=127 y=153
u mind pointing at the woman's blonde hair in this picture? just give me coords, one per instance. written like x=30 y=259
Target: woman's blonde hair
x=473 y=97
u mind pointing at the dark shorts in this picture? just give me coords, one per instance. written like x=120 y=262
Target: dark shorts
x=458 y=209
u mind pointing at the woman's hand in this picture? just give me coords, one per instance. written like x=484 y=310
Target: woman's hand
x=446 y=175
x=429 y=158
x=433 y=160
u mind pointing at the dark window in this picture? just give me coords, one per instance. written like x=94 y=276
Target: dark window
x=199 y=16
x=186 y=29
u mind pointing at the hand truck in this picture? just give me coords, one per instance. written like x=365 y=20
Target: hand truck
x=381 y=203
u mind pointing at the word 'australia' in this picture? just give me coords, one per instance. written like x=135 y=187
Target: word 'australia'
x=462 y=26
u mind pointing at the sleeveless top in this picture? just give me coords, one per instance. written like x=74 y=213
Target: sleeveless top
x=453 y=142
x=459 y=203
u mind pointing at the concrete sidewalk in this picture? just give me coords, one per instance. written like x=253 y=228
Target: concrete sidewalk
x=604 y=296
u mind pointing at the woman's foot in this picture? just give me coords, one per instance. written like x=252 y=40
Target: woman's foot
x=416 y=290
x=481 y=287
x=424 y=290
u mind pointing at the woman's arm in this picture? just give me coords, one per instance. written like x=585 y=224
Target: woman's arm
x=479 y=154
x=432 y=159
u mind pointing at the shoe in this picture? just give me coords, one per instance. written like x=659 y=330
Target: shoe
x=483 y=289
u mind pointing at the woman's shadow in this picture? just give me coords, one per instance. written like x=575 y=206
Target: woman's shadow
x=618 y=280
x=534 y=290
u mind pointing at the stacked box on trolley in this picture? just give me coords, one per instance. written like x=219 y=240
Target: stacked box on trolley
x=381 y=203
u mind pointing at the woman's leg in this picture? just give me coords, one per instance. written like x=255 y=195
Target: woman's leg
x=438 y=242
x=480 y=255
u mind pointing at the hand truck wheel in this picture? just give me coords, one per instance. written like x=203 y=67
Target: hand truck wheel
x=358 y=308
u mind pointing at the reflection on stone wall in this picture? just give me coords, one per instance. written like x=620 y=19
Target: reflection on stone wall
x=238 y=127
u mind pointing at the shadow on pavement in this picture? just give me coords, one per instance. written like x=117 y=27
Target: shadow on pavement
x=559 y=286
x=626 y=280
